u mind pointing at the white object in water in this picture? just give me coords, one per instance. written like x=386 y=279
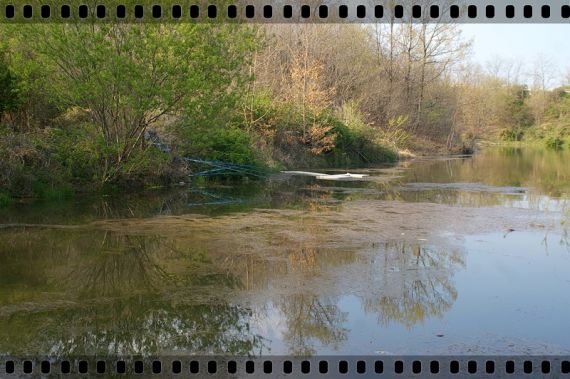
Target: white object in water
x=305 y=173
x=341 y=176
x=327 y=176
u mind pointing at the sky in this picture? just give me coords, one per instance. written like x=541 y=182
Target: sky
x=524 y=42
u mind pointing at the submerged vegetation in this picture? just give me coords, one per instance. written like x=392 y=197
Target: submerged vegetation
x=82 y=105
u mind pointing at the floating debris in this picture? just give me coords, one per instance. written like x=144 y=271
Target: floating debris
x=321 y=176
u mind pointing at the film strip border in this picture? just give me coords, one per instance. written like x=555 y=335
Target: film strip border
x=302 y=367
x=283 y=11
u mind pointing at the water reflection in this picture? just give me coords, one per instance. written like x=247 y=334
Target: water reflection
x=515 y=177
x=292 y=265
x=116 y=265
x=531 y=178
x=214 y=199
x=309 y=318
x=545 y=173
x=112 y=294
x=69 y=292
x=137 y=326
x=418 y=283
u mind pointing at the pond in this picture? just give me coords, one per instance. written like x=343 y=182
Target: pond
x=435 y=255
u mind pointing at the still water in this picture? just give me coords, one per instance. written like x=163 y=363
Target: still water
x=443 y=255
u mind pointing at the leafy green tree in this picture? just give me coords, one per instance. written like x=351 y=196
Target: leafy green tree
x=517 y=111
x=129 y=77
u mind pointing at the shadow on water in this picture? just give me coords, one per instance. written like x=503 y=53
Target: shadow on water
x=212 y=200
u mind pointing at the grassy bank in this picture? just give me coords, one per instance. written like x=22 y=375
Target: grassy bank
x=286 y=135
x=67 y=157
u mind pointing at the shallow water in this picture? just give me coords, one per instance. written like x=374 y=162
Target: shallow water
x=443 y=255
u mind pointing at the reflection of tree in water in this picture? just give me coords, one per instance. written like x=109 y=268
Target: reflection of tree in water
x=115 y=294
x=311 y=318
x=412 y=283
x=120 y=264
x=416 y=283
x=137 y=294
x=402 y=282
x=458 y=197
x=131 y=326
x=565 y=239
x=543 y=171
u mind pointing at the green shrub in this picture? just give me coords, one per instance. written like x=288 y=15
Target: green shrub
x=226 y=144
x=25 y=160
x=355 y=147
x=358 y=143
x=554 y=142
x=282 y=137
x=147 y=167
x=84 y=157
x=78 y=150
x=52 y=163
x=5 y=199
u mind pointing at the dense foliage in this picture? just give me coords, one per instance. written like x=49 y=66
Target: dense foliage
x=78 y=102
x=78 y=99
